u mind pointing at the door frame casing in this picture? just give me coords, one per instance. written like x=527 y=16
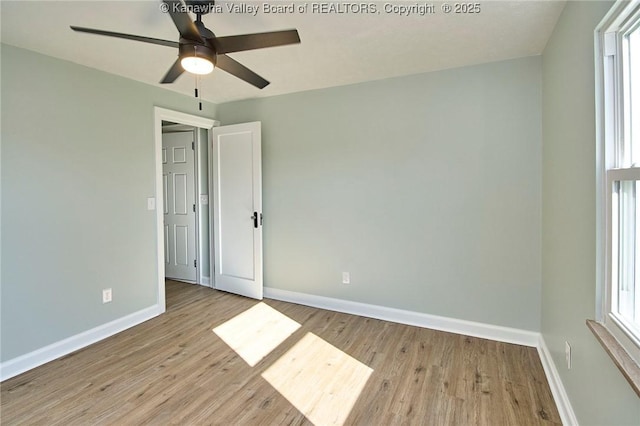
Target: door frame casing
x=163 y=114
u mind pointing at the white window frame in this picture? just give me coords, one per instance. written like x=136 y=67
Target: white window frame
x=609 y=128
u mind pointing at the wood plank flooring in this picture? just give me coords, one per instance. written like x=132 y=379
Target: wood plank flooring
x=175 y=370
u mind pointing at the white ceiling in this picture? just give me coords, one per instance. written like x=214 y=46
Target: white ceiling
x=336 y=49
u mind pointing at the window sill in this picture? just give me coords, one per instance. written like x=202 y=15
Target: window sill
x=627 y=366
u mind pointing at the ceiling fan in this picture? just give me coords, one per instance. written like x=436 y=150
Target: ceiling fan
x=199 y=50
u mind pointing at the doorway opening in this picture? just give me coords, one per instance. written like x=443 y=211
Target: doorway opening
x=182 y=198
x=185 y=190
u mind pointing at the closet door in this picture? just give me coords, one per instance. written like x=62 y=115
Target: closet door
x=179 y=206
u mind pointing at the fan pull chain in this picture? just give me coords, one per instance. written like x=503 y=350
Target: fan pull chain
x=197 y=93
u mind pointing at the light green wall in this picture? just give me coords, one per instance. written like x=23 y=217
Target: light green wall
x=425 y=188
x=598 y=392
x=77 y=168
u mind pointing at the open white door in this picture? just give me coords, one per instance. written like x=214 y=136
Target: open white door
x=237 y=208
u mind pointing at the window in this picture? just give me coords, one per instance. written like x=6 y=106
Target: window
x=618 y=41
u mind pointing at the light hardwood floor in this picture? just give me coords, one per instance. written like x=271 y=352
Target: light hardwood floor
x=175 y=370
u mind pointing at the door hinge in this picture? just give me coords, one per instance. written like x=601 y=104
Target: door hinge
x=194 y=208
x=193 y=145
x=195 y=263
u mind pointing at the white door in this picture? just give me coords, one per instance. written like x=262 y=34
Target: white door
x=179 y=206
x=237 y=208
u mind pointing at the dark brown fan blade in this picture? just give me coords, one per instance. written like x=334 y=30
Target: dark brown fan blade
x=127 y=36
x=174 y=72
x=183 y=22
x=234 y=67
x=239 y=43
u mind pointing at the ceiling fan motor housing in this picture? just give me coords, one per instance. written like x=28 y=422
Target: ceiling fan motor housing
x=189 y=48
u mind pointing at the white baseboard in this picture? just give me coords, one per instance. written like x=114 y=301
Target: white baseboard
x=560 y=396
x=452 y=325
x=205 y=281
x=41 y=356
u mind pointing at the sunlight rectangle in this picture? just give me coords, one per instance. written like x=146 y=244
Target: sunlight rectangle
x=254 y=333
x=320 y=380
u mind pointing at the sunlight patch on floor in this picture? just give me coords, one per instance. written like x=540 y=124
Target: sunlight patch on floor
x=320 y=380
x=254 y=333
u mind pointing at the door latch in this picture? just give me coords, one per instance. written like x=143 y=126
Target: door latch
x=255 y=219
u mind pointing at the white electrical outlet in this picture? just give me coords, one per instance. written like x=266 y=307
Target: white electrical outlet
x=567 y=354
x=106 y=295
x=346 y=278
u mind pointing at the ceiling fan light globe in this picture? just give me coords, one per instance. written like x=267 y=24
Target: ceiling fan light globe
x=196 y=65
